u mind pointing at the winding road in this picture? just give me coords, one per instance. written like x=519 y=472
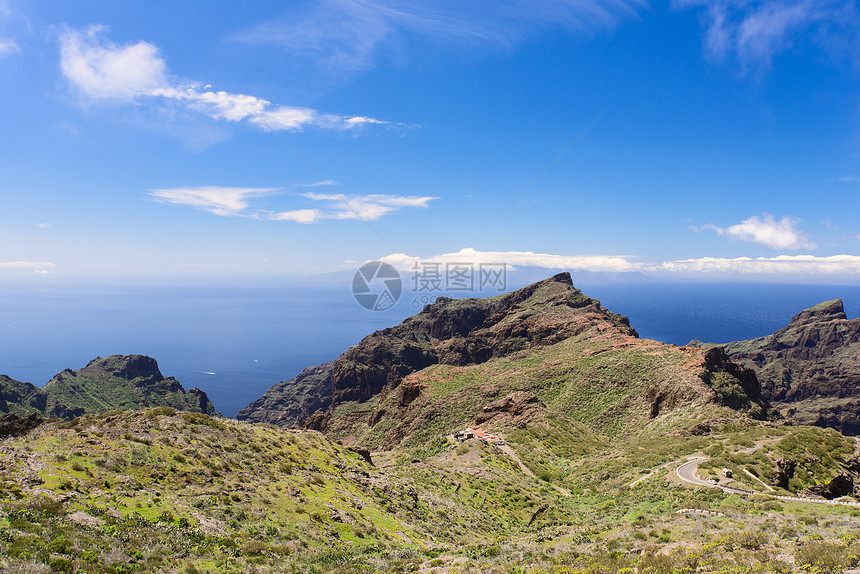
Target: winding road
x=686 y=472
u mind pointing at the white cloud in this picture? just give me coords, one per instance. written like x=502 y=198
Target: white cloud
x=298 y=215
x=7 y=47
x=224 y=201
x=99 y=70
x=605 y=263
x=781 y=264
x=755 y=31
x=804 y=265
x=236 y=202
x=850 y=179
x=323 y=183
x=767 y=231
x=367 y=207
x=38 y=267
x=344 y=37
x=43 y=225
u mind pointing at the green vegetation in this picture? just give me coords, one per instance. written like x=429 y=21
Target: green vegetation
x=160 y=490
x=124 y=382
x=593 y=422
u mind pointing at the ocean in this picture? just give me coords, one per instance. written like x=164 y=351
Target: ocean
x=235 y=342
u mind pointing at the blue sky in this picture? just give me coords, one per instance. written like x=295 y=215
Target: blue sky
x=704 y=139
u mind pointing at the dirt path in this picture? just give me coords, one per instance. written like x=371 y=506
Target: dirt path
x=505 y=448
x=766 y=486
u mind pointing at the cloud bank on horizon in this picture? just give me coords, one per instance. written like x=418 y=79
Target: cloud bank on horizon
x=804 y=265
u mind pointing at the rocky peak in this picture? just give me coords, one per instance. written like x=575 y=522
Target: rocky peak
x=128 y=367
x=449 y=331
x=470 y=331
x=810 y=369
x=124 y=382
x=826 y=311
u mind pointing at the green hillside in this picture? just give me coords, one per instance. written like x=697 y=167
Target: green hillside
x=124 y=382
x=165 y=491
x=23 y=399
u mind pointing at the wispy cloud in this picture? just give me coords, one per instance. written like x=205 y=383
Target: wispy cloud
x=224 y=201
x=349 y=36
x=767 y=231
x=99 y=70
x=755 y=31
x=366 y=207
x=43 y=225
x=850 y=179
x=237 y=202
x=7 y=47
x=38 y=267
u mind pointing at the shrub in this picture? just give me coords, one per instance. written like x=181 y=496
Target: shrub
x=48 y=506
x=826 y=556
x=159 y=411
x=657 y=564
x=60 y=564
x=201 y=419
x=750 y=540
x=253 y=547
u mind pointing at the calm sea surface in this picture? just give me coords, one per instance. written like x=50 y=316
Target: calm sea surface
x=234 y=343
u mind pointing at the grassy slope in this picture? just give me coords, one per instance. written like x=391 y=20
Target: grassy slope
x=96 y=392
x=607 y=384
x=184 y=492
x=24 y=398
x=20 y=398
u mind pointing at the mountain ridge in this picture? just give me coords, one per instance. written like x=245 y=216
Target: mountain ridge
x=124 y=382
x=809 y=369
x=530 y=356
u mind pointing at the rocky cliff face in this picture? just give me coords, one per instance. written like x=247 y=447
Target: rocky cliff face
x=128 y=382
x=544 y=350
x=23 y=399
x=468 y=331
x=289 y=402
x=810 y=370
x=449 y=331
